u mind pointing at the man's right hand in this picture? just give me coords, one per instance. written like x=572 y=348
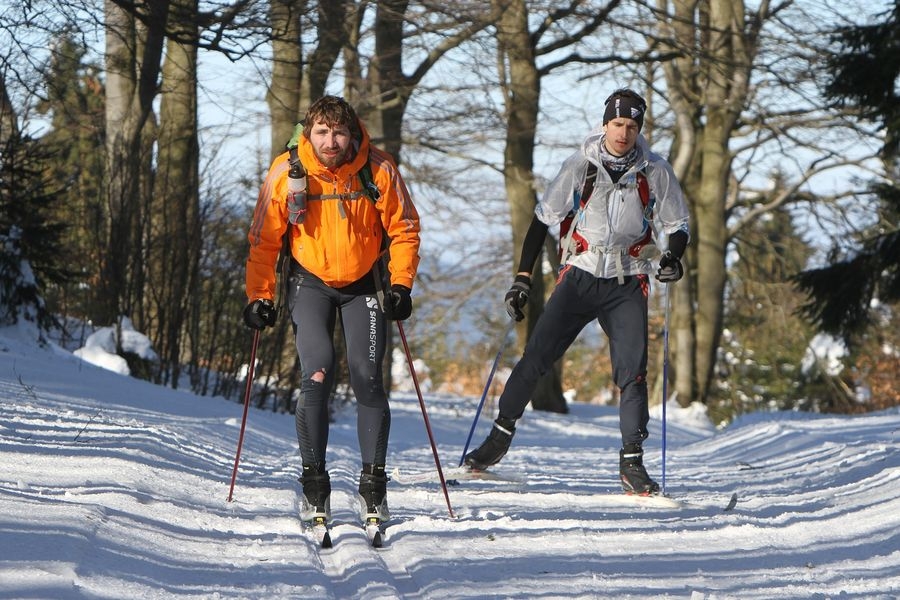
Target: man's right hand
x=517 y=297
x=260 y=314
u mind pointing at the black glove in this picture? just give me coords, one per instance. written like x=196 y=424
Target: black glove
x=670 y=269
x=517 y=297
x=397 y=303
x=260 y=314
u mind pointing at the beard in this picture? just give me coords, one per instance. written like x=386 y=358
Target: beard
x=332 y=160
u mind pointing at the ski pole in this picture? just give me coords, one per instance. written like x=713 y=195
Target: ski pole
x=237 y=456
x=487 y=386
x=437 y=460
x=664 y=385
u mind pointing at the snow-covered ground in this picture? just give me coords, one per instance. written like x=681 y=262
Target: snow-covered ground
x=114 y=488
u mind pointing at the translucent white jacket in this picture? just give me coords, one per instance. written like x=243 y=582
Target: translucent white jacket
x=614 y=218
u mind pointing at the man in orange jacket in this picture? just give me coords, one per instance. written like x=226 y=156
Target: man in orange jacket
x=335 y=230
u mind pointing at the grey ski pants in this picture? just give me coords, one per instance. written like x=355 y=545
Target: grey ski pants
x=314 y=307
x=621 y=310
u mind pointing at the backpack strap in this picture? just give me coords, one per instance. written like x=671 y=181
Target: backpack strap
x=572 y=243
x=380 y=268
x=648 y=201
x=283 y=265
x=570 y=223
x=369 y=189
x=368 y=182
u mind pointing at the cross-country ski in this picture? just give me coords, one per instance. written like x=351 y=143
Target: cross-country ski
x=453 y=474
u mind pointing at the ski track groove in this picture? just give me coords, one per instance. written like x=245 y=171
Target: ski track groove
x=82 y=477
x=355 y=568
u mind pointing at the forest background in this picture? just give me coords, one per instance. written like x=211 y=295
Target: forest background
x=134 y=136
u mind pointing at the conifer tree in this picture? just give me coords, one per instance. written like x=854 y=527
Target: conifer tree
x=864 y=76
x=74 y=104
x=32 y=255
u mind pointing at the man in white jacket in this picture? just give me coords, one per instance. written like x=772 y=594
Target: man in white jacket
x=616 y=202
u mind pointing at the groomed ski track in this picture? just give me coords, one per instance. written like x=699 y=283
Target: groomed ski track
x=116 y=488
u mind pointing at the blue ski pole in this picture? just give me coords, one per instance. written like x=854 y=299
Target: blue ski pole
x=664 y=385
x=487 y=386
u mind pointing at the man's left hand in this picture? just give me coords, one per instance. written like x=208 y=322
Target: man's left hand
x=670 y=269
x=398 y=303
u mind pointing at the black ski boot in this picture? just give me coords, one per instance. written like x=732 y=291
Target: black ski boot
x=494 y=447
x=635 y=479
x=373 y=494
x=316 y=499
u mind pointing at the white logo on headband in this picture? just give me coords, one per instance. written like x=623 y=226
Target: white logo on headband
x=635 y=111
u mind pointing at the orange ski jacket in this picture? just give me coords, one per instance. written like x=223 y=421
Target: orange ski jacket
x=340 y=238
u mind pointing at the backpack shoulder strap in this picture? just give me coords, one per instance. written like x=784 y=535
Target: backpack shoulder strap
x=644 y=191
x=368 y=182
x=648 y=202
x=380 y=270
x=284 y=263
x=588 y=188
x=570 y=223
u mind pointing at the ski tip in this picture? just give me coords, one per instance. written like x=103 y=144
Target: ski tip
x=318 y=527
x=374 y=532
x=732 y=502
x=651 y=500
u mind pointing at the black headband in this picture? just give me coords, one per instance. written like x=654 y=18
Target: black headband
x=625 y=107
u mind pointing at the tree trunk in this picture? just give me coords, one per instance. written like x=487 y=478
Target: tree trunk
x=521 y=82
x=283 y=95
x=389 y=90
x=381 y=99
x=707 y=86
x=384 y=106
x=133 y=52
x=9 y=126
x=175 y=208
x=332 y=36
